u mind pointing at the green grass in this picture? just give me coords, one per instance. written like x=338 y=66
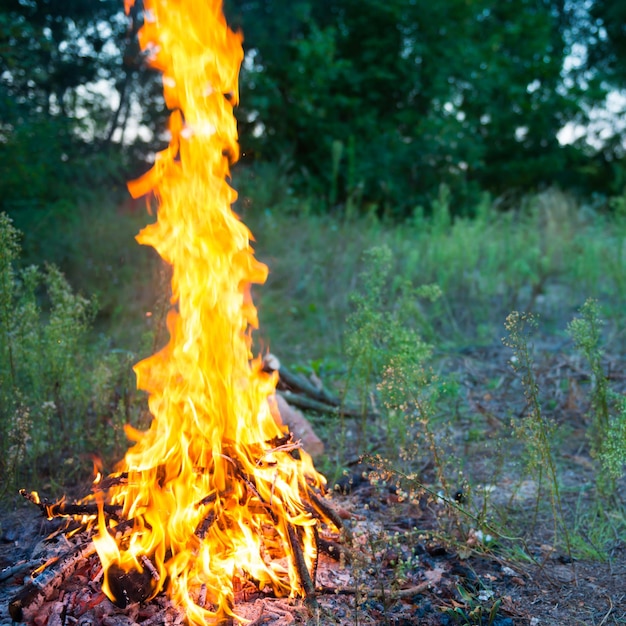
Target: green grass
x=548 y=257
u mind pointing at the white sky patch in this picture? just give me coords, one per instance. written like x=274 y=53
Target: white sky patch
x=604 y=123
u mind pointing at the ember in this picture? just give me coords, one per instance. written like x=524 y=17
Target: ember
x=215 y=496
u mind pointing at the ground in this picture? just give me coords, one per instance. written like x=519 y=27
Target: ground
x=416 y=559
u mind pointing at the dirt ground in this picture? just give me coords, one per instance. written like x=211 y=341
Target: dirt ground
x=413 y=559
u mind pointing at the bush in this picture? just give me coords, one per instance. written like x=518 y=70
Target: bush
x=57 y=389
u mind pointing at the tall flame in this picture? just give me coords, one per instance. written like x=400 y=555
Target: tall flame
x=200 y=481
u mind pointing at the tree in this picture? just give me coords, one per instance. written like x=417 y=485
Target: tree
x=407 y=94
x=606 y=63
x=70 y=72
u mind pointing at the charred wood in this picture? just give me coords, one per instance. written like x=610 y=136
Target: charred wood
x=205 y=525
x=130 y=587
x=306 y=582
x=69 y=509
x=43 y=585
x=333 y=549
x=327 y=511
x=18 y=568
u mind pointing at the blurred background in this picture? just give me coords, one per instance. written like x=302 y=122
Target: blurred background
x=480 y=141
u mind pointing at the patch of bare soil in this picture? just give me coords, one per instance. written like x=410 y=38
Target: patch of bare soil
x=413 y=560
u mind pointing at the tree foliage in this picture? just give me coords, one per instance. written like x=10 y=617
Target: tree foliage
x=68 y=72
x=416 y=93
x=367 y=102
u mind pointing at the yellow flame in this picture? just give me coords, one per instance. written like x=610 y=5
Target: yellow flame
x=202 y=478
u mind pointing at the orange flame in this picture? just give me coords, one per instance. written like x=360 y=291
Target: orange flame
x=201 y=479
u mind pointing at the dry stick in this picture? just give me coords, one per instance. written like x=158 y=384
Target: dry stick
x=332 y=549
x=316 y=537
x=303 y=573
x=73 y=509
x=113 y=480
x=300 y=383
x=319 y=407
x=149 y=565
x=249 y=483
x=327 y=511
x=377 y=593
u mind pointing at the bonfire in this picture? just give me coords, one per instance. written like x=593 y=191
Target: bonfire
x=215 y=495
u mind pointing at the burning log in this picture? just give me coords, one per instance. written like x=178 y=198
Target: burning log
x=19 y=568
x=133 y=586
x=303 y=573
x=62 y=508
x=139 y=584
x=327 y=512
x=54 y=574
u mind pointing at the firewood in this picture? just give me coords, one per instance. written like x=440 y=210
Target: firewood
x=306 y=582
x=69 y=509
x=20 y=567
x=42 y=587
x=113 y=480
x=305 y=402
x=333 y=549
x=327 y=511
x=204 y=526
x=130 y=587
x=289 y=381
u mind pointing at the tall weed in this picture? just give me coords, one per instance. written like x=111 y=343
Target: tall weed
x=536 y=431
x=384 y=347
x=607 y=424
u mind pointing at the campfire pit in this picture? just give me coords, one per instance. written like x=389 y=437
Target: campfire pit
x=67 y=561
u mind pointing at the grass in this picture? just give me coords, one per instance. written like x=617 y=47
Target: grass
x=548 y=257
x=395 y=317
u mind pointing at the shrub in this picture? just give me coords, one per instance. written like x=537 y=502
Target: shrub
x=57 y=388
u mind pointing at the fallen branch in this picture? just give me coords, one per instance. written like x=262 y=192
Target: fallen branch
x=396 y=594
x=303 y=402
